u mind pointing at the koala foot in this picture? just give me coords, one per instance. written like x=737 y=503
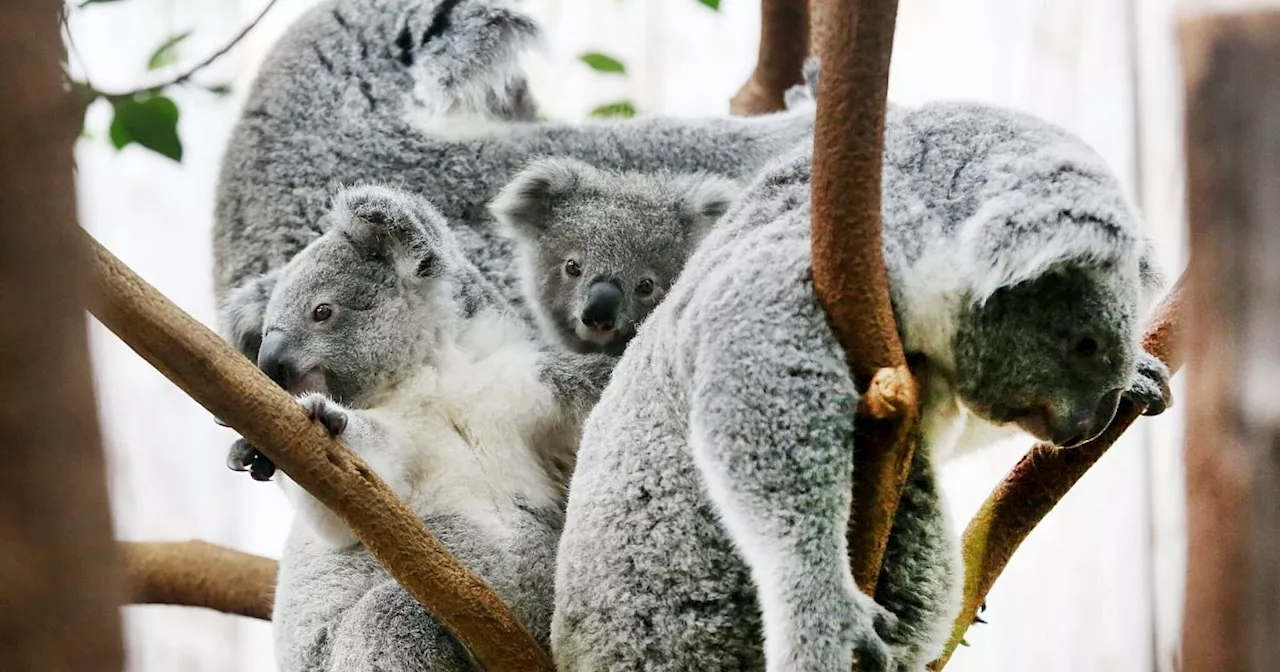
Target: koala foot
x=871 y=632
x=330 y=415
x=244 y=457
x=1150 y=387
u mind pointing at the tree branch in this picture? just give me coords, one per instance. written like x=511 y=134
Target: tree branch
x=849 y=273
x=784 y=43
x=1043 y=477
x=1232 y=131
x=199 y=574
x=232 y=389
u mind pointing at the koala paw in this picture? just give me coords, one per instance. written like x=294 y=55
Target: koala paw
x=1150 y=387
x=244 y=457
x=873 y=626
x=329 y=414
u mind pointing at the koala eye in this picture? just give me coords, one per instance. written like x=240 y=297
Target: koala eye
x=322 y=312
x=645 y=288
x=572 y=268
x=1086 y=347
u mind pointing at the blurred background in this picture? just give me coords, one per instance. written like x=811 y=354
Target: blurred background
x=1097 y=587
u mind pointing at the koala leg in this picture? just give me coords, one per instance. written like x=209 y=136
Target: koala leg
x=388 y=631
x=770 y=431
x=920 y=582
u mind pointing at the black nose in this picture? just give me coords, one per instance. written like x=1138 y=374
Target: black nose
x=1086 y=425
x=274 y=360
x=604 y=298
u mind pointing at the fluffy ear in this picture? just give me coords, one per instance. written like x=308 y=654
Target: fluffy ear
x=706 y=199
x=392 y=225
x=523 y=207
x=241 y=314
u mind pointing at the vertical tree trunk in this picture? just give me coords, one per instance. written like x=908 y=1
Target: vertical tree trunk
x=59 y=589
x=1232 y=621
x=784 y=43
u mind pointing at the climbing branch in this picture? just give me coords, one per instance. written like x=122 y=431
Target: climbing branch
x=1233 y=429
x=849 y=273
x=199 y=574
x=232 y=389
x=784 y=43
x=1043 y=476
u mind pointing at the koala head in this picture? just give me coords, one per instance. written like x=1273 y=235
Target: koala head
x=360 y=307
x=600 y=249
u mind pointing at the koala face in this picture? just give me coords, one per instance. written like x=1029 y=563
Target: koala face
x=369 y=300
x=1052 y=355
x=600 y=249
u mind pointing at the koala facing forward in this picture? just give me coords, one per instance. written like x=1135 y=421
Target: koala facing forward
x=599 y=249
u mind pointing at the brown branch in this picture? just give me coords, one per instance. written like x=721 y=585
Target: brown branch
x=1042 y=477
x=59 y=582
x=199 y=574
x=232 y=389
x=849 y=273
x=784 y=43
x=1233 y=430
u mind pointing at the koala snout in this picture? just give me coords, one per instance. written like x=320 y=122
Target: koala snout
x=600 y=312
x=1073 y=429
x=274 y=360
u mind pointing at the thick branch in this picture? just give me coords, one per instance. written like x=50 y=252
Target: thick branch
x=784 y=43
x=232 y=389
x=1043 y=477
x=59 y=582
x=1232 y=63
x=199 y=574
x=849 y=274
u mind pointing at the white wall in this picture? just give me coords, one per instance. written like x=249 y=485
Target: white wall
x=1097 y=587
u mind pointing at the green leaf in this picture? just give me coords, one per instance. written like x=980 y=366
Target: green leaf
x=167 y=52
x=622 y=108
x=150 y=121
x=713 y=4
x=602 y=63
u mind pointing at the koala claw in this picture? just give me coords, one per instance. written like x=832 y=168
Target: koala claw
x=870 y=647
x=329 y=414
x=244 y=457
x=1150 y=387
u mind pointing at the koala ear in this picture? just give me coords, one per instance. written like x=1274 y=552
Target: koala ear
x=707 y=198
x=523 y=207
x=394 y=225
x=240 y=318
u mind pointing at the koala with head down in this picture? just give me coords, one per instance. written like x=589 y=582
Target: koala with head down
x=706 y=523
x=599 y=249
x=474 y=424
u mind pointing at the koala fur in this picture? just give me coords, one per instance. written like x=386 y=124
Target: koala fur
x=425 y=95
x=712 y=487
x=599 y=249
x=474 y=423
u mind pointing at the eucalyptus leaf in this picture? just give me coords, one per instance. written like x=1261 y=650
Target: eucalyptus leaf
x=713 y=4
x=167 y=53
x=622 y=108
x=603 y=63
x=150 y=121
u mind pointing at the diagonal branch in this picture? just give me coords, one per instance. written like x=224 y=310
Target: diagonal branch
x=849 y=273
x=199 y=574
x=232 y=389
x=1043 y=477
x=784 y=43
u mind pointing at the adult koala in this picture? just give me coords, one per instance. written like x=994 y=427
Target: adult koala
x=391 y=91
x=474 y=425
x=712 y=487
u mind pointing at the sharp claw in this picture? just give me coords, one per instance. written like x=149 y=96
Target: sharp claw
x=978 y=619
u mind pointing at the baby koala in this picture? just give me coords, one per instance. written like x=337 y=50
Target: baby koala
x=448 y=394
x=598 y=249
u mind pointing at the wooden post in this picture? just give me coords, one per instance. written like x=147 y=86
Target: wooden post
x=1232 y=617
x=59 y=584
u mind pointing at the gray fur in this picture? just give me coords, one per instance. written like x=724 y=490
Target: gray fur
x=713 y=482
x=632 y=229
x=332 y=103
x=464 y=413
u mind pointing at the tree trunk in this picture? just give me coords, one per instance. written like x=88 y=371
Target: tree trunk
x=784 y=43
x=1233 y=427
x=59 y=586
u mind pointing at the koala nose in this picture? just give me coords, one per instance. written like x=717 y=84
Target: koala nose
x=274 y=360
x=600 y=312
x=1086 y=425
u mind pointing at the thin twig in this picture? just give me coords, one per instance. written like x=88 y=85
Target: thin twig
x=199 y=574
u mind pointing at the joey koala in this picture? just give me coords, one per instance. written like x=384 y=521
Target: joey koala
x=426 y=95
x=599 y=249
x=712 y=486
x=465 y=414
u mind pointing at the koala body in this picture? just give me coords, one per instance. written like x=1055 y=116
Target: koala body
x=599 y=249
x=426 y=95
x=712 y=488
x=464 y=413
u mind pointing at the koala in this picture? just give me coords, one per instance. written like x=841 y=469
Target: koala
x=599 y=249
x=706 y=522
x=462 y=411
x=425 y=95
